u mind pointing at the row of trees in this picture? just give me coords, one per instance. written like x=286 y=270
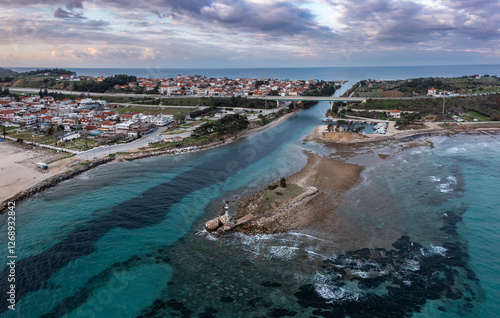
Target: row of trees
x=486 y=105
x=56 y=95
x=5 y=92
x=321 y=88
x=107 y=84
x=227 y=125
x=348 y=126
x=52 y=71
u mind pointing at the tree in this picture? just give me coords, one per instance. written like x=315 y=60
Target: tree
x=179 y=117
x=283 y=182
x=4 y=131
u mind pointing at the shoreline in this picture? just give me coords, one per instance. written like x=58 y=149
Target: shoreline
x=62 y=174
x=348 y=138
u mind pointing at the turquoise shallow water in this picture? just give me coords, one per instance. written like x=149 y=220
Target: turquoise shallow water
x=120 y=240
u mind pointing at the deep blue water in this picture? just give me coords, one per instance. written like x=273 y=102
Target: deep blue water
x=322 y=73
x=120 y=240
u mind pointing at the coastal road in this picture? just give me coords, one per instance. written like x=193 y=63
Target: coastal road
x=106 y=150
x=134 y=145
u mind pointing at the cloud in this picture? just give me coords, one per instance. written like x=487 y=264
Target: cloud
x=250 y=31
x=63 y=14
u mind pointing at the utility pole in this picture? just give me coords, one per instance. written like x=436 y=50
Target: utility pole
x=444 y=99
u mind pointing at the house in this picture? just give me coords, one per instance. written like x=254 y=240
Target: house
x=394 y=114
x=162 y=120
x=57 y=121
x=129 y=116
x=65 y=77
x=46 y=119
x=7 y=114
x=108 y=126
x=29 y=119
x=431 y=91
x=125 y=126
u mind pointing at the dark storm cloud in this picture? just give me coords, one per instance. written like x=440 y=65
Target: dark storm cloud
x=276 y=18
x=415 y=22
x=63 y=14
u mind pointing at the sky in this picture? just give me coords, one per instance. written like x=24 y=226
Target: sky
x=247 y=33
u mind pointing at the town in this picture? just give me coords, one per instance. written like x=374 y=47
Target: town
x=54 y=121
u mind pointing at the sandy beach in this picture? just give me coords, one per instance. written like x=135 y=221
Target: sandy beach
x=19 y=171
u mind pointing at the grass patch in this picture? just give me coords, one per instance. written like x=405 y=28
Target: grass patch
x=174 y=132
x=480 y=117
x=276 y=197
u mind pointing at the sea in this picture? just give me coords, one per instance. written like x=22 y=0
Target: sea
x=127 y=239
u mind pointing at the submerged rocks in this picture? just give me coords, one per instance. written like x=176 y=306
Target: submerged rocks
x=399 y=281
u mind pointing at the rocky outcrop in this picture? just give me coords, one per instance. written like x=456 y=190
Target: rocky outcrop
x=169 y=151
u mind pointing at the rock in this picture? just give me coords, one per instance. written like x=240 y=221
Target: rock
x=212 y=225
x=227 y=228
x=220 y=230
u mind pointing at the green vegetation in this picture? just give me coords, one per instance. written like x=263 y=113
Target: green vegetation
x=231 y=102
x=150 y=110
x=475 y=115
x=275 y=194
x=4 y=92
x=321 y=88
x=229 y=124
x=49 y=71
x=107 y=84
x=486 y=105
x=420 y=86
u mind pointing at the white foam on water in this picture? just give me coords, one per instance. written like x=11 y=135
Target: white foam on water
x=416 y=152
x=452 y=179
x=438 y=250
x=306 y=235
x=412 y=265
x=456 y=150
x=361 y=274
x=327 y=290
x=435 y=179
x=407 y=282
x=283 y=252
x=445 y=188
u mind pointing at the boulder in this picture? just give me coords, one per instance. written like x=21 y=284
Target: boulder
x=212 y=225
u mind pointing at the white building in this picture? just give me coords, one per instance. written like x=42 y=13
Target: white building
x=162 y=120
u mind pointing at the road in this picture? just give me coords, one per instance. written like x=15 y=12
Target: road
x=36 y=90
x=106 y=150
